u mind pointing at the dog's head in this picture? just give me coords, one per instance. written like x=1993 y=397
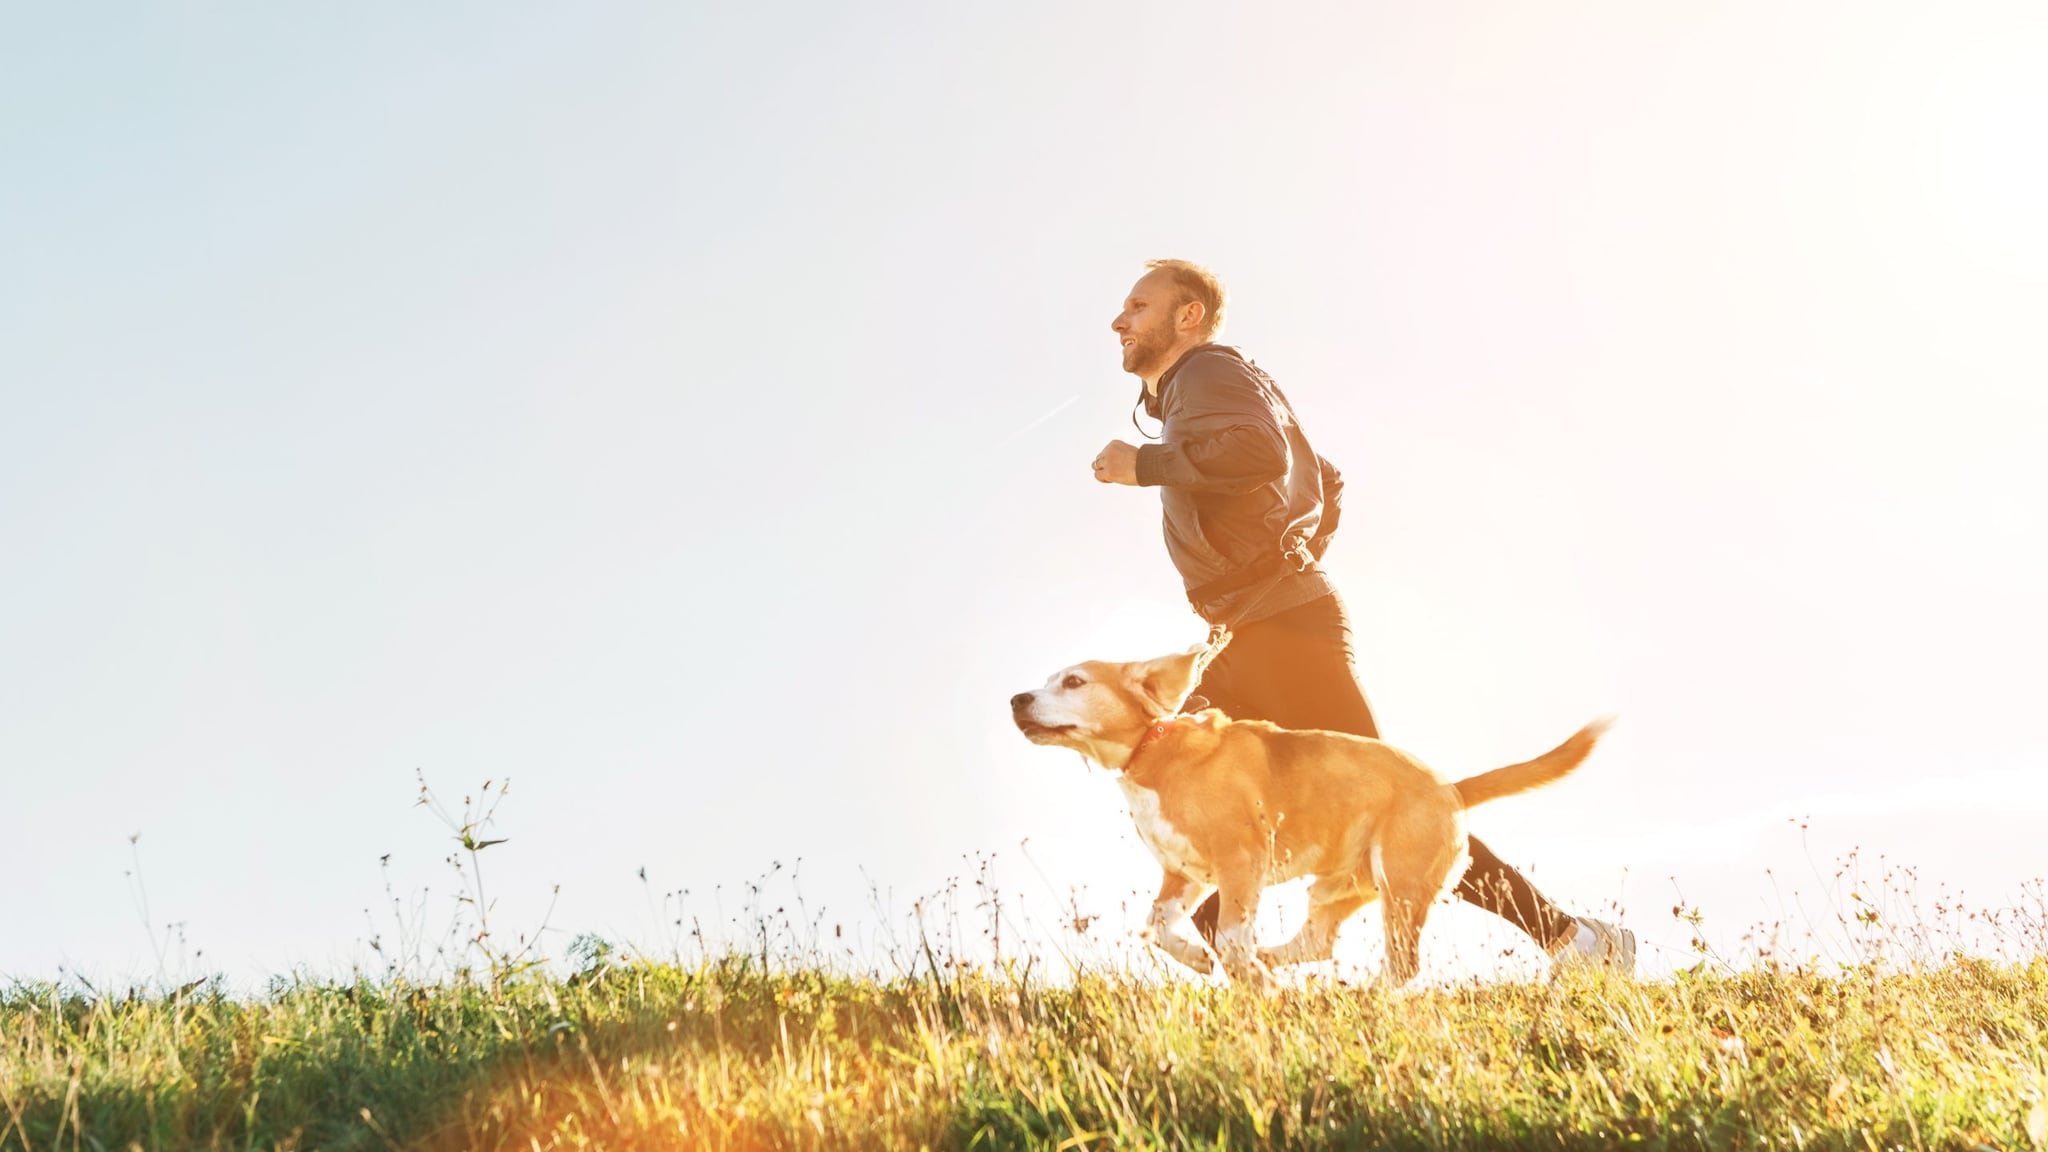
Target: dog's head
x=1101 y=710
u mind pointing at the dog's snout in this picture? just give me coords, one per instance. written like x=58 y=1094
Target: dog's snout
x=1020 y=702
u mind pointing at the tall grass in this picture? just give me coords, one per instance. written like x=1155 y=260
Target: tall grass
x=730 y=1053
x=1902 y=1037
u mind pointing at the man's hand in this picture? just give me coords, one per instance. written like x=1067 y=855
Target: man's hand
x=1117 y=463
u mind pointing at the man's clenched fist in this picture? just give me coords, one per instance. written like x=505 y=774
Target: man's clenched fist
x=1117 y=463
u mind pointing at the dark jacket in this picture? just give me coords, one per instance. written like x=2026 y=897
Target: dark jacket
x=1242 y=492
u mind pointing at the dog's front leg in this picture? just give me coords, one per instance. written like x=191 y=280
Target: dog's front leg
x=1177 y=894
x=1236 y=943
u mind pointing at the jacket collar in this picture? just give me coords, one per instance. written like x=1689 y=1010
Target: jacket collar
x=1156 y=403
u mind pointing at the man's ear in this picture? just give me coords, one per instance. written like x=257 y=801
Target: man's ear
x=1166 y=682
x=1192 y=314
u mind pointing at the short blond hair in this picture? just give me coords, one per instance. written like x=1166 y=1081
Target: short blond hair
x=1195 y=284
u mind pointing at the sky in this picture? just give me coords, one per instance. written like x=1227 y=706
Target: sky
x=684 y=412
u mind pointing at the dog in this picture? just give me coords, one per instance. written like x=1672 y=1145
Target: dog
x=1243 y=804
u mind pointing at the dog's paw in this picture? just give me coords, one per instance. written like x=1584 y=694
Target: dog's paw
x=1191 y=954
x=1246 y=966
x=1186 y=951
x=1252 y=974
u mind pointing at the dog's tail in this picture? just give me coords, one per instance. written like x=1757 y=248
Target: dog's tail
x=1548 y=768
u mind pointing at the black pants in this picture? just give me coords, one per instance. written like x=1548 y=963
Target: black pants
x=1296 y=670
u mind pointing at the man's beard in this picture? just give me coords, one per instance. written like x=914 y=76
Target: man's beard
x=1147 y=355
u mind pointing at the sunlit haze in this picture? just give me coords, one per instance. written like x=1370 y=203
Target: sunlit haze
x=685 y=411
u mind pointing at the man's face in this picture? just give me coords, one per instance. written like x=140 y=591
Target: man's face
x=1146 y=325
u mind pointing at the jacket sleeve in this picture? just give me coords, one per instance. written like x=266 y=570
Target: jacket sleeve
x=1333 y=507
x=1223 y=436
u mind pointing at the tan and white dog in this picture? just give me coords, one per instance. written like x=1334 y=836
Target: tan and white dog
x=1241 y=804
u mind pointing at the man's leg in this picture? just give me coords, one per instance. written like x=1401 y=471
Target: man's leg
x=1297 y=669
x=1493 y=885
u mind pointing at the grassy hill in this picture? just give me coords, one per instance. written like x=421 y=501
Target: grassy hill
x=736 y=1054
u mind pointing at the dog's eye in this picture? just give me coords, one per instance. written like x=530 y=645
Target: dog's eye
x=1072 y=682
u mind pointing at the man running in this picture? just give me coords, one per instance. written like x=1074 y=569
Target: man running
x=1249 y=510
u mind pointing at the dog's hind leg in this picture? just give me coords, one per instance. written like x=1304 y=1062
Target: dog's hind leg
x=1331 y=901
x=1408 y=898
x=1411 y=858
x=1405 y=913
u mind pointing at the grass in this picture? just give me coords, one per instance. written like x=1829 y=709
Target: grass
x=732 y=1053
x=467 y=1043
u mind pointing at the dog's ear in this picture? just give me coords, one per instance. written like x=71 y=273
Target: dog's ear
x=1166 y=682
